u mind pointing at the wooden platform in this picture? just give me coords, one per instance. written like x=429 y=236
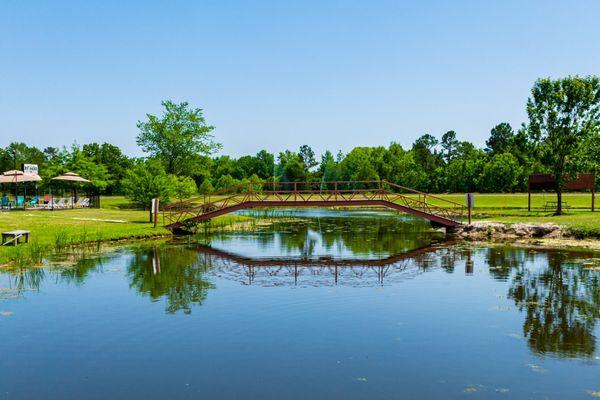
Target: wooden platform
x=13 y=237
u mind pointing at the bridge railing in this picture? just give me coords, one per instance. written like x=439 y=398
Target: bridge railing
x=330 y=191
x=439 y=204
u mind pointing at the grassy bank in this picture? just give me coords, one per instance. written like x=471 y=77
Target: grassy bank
x=512 y=208
x=55 y=231
x=504 y=202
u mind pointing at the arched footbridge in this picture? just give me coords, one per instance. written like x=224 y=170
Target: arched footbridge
x=441 y=212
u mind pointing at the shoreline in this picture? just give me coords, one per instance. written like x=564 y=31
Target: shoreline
x=539 y=235
x=534 y=235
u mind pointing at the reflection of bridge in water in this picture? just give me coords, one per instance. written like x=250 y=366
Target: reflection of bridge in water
x=321 y=271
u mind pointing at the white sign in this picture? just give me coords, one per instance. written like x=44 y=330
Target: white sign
x=30 y=168
x=470 y=199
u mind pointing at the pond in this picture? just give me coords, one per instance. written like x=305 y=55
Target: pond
x=318 y=304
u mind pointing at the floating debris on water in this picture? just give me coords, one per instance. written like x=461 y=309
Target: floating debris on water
x=472 y=388
x=361 y=379
x=10 y=294
x=537 y=368
x=500 y=308
x=6 y=313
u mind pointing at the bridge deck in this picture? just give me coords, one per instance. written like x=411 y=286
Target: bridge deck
x=315 y=194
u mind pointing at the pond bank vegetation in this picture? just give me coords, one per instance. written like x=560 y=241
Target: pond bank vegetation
x=55 y=232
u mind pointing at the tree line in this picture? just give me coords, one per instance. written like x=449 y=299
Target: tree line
x=561 y=137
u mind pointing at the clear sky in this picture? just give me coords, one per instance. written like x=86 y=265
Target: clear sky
x=278 y=74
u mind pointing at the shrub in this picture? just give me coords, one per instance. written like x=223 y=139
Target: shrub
x=145 y=181
x=206 y=187
x=183 y=187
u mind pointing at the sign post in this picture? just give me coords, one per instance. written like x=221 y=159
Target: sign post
x=154 y=211
x=470 y=198
x=30 y=168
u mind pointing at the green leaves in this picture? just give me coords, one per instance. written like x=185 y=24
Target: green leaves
x=501 y=173
x=147 y=180
x=563 y=113
x=179 y=138
x=501 y=140
x=183 y=187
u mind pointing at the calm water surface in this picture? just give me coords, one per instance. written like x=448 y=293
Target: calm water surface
x=363 y=305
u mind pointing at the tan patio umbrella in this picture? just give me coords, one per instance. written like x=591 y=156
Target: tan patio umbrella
x=16 y=176
x=70 y=177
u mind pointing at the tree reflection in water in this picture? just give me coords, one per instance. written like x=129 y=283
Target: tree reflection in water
x=559 y=296
x=77 y=269
x=172 y=272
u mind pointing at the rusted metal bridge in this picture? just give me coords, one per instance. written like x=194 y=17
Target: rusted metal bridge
x=441 y=212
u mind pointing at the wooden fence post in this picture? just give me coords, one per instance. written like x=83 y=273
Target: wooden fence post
x=155 y=211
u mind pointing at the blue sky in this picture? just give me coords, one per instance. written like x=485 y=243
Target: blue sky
x=276 y=74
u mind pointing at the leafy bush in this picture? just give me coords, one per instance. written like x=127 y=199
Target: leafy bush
x=147 y=180
x=183 y=187
x=206 y=187
x=225 y=182
x=501 y=173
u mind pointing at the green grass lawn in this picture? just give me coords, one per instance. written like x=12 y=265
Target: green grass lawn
x=512 y=208
x=116 y=219
x=51 y=230
x=505 y=201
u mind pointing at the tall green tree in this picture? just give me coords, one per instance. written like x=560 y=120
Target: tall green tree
x=292 y=167
x=501 y=173
x=178 y=138
x=113 y=159
x=449 y=145
x=463 y=173
x=17 y=154
x=75 y=160
x=358 y=165
x=266 y=164
x=226 y=165
x=308 y=157
x=426 y=156
x=261 y=165
x=406 y=172
x=329 y=168
x=501 y=139
x=562 y=114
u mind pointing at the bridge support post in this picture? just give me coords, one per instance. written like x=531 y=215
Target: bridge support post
x=451 y=229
